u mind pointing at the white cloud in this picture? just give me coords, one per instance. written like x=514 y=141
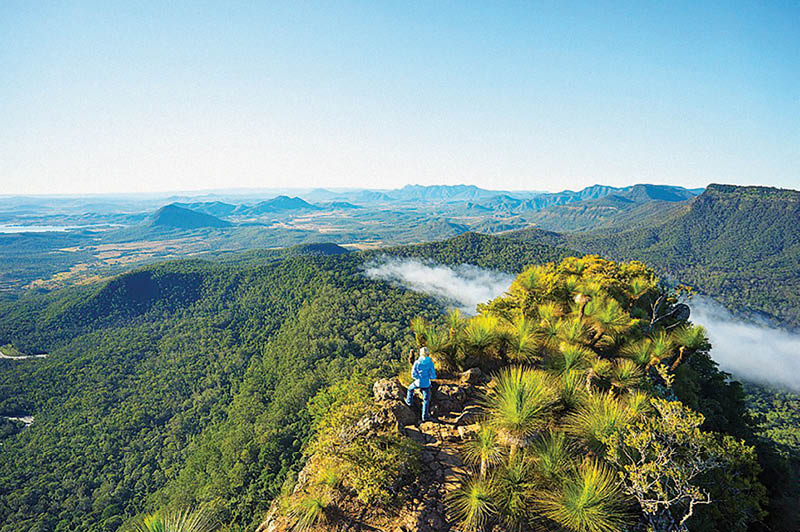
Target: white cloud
x=462 y=286
x=748 y=350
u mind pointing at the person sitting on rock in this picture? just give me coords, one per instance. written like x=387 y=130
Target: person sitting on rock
x=422 y=372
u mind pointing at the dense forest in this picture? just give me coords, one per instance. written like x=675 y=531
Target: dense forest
x=188 y=382
x=605 y=413
x=739 y=244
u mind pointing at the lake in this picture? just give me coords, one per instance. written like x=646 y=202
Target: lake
x=52 y=228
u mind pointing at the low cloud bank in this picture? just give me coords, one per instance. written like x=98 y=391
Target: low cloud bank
x=750 y=351
x=461 y=287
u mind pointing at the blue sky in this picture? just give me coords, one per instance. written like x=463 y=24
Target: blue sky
x=156 y=96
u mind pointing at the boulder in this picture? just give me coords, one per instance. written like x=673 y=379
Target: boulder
x=401 y=413
x=473 y=376
x=468 y=416
x=388 y=390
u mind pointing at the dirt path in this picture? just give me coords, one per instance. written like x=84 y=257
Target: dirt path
x=442 y=466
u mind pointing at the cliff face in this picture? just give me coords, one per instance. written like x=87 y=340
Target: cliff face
x=420 y=491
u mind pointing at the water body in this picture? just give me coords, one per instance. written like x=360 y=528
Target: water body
x=53 y=228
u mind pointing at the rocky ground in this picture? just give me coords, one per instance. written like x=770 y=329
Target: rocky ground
x=422 y=497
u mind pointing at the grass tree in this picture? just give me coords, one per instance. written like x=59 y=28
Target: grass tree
x=688 y=339
x=483 y=449
x=573 y=331
x=549 y=312
x=572 y=389
x=589 y=500
x=547 y=333
x=515 y=487
x=418 y=326
x=176 y=521
x=601 y=415
x=640 y=351
x=472 y=503
x=661 y=345
x=455 y=324
x=309 y=511
x=481 y=336
x=551 y=456
x=519 y=405
x=441 y=348
x=625 y=374
x=608 y=318
x=522 y=343
x=570 y=357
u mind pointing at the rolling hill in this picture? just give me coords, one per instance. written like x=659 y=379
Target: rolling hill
x=173 y=216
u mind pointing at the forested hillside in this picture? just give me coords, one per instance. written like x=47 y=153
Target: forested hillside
x=589 y=423
x=739 y=244
x=130 y=383
x=187 y=382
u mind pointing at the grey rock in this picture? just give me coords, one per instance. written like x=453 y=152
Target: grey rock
x=401 y=413
x=388 y=390
x=473 y=376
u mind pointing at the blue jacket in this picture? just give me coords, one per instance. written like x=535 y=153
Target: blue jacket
x=423 y=371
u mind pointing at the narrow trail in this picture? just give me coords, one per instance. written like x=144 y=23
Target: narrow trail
x=455 y=412
x=423 y=507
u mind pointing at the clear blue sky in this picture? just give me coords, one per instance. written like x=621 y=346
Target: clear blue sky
x=149 y=96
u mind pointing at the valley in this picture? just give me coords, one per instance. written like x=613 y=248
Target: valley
x=181 y=361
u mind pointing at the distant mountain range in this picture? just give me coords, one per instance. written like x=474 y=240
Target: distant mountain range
x=597 y=202
x=740 y=244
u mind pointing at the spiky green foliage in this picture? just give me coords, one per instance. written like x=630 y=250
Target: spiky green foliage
x=608 y=318
x=176 y=521
x=551 y=456
x=440 y=347
x=520 y=403
x=638 y=404
x=626 y=374
x=522 y=341
x=309 y=511
x=472 y=503
x=481 y=335
x=455 y=322
x=590 y=500
x=570 y=357
x=689 y=339
x=573 y=330
x=483 y=449
x=640 y=351
x=330 y=476
x=572 y=389
x=515 y=483
x=661 y=347
x=601 y=415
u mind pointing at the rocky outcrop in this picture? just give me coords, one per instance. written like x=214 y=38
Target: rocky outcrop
x=388 y=390
x=420 y=505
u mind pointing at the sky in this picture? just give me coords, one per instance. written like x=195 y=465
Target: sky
x=109 y=97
